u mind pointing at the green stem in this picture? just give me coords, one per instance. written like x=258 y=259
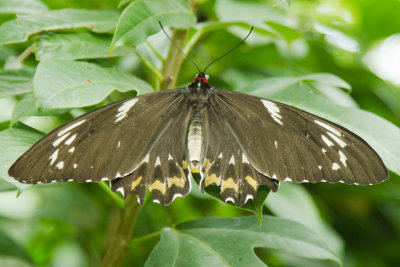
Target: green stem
x=120 y=236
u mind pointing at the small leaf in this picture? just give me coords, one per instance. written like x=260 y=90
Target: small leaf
x=231 y=242
x=16 y=82
x=83 y=45
x=21 y=6
x=68 y=84
x=140 y=20
x=19 y=29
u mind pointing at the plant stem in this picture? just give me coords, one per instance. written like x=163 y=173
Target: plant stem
x=173 y=62
x=120 y=236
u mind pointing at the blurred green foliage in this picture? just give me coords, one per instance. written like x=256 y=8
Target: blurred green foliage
x=312 y=54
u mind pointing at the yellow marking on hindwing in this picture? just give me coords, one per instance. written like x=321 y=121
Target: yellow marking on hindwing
x=184 y=164
x=136 y=182
x=229 y=184
x=178 y=181
x=212 y=179
x=157 y=185
x=251 y=182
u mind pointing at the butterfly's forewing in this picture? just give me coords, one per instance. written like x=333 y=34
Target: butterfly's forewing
x=108 y=143
x=286 y=143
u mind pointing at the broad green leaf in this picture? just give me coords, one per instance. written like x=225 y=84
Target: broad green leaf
x=6 y=186
x=18 y=30
x=83 y=45
x=293 y=202
x=382 y=135
x=27 y=107
x=16 y=82
x=14 y=142
x=9 y=247
x=231 y=242
x=22 y=6
x=67 y=84
x=140 y=20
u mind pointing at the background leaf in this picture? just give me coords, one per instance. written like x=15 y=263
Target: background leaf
x=230 y=242
x=67 y=84
x=140 y=20
x=18 y=30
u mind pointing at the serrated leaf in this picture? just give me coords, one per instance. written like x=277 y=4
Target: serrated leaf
x=19 y=29
x=14 y=142
x=231 y=242
x=140 y=20
x=21 y=6
x=285 y=204
x=16 y=82
x=83 y=45
x=382 y=135
x=67 y=84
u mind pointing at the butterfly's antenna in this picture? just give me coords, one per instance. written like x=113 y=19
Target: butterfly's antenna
x=233 y=48
x=177 y=47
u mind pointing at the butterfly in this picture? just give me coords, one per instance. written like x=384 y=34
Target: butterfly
x=234 y=141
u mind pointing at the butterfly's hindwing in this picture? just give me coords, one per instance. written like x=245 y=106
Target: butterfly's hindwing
x=286 y=143
x=224 y=163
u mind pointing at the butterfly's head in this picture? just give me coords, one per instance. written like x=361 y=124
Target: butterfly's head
x=201 y=78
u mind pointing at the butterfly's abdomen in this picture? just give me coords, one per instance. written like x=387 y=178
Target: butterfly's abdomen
x=194 y=142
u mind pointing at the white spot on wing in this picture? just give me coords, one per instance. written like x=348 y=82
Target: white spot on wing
x=328 y=127
x=276 y=144
x=248 y=197
x=273 y=109
x=70 y=140
x=340 y=142
x=60 y=165
x=124 y=108
x=121 y=190
x=71 y=150
x=287 y=179
x=320 y=167
x=244 y=159
x=323 y=150
x=156 y=201
x=89 y=180
x=158 y=162
x=175 y=196
x=119 y=144
x=170 y=157
x=65 y=130
x=343 y=158
x=326 y=140
x=60 y=139
x=104 y=179
x=232 y=161
x=230 y=199
x=75 y=165
x=53 y=157
x=220 y=155
x=335 y=167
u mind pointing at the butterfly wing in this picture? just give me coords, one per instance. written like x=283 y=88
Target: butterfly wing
x=285 y=143
x=224 y=163
x=111 y=142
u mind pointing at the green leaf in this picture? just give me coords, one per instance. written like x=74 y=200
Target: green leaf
x=14 y=142
x=67 y=84
x=286 y=204
x=140 y=20
x=231 y=242
x=382 y=135
x=19 y=29
x=27 y=107
x=9 y=247
x=83 y=45
x=123 y=3
x=16 y=82
x=21 y=6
